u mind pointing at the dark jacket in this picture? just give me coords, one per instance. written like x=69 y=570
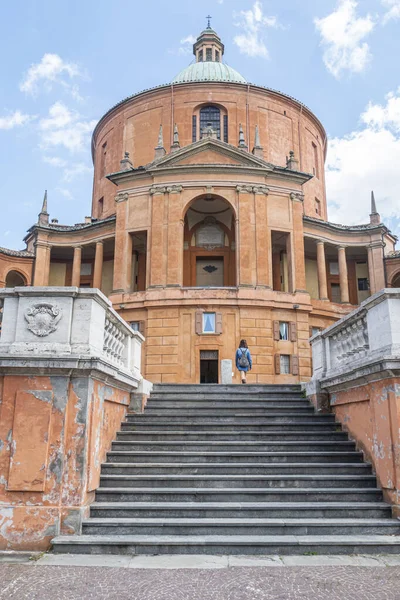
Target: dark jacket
x=239 y=352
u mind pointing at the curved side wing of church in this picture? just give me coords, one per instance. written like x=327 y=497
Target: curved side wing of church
x=209 y=224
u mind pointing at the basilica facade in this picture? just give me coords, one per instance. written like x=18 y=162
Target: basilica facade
x=209 y=224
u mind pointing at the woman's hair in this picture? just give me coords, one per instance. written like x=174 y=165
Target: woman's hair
x=243 y=344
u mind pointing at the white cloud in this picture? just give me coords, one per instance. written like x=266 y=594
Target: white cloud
x=342 y=34
x=51 y=69
x=253 y=22
x=393 y=12
x=15 y=119
x=64 y=192
x=75 y=170
x=55 y=161
x=66 y=128
x=185 y=47
x=364 y=160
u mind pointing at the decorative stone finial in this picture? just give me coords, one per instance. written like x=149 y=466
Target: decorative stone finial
x=374 y=217
x=291 y=163
x=160 y=150
x=44 y=215
x=126 y=163
x=258 y=149
x=242 y=142
x=175 y=146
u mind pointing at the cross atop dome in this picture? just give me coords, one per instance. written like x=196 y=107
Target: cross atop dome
x=208 y=46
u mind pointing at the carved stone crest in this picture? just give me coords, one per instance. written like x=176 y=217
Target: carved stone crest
x=43 y=318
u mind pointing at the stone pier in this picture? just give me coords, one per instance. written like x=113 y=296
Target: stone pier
x=69 y=367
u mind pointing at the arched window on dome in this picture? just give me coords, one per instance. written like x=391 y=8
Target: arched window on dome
x=210 y=116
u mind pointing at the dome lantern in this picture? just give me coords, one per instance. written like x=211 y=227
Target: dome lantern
x=208 y=46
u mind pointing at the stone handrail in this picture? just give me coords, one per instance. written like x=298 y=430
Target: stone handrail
x=68 y=322
x=367 y=334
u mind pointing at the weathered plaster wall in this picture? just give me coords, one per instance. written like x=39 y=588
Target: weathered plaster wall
x=370 y=412
x=54 y=432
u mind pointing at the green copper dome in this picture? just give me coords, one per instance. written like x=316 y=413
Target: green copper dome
x=209 y=71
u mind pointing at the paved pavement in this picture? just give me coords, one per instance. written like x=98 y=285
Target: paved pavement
x=201 y=578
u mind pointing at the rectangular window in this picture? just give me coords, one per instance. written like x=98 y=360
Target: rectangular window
x=317 y=207
x=315 y=330
x=194 y=128
x=226 y=128
x=209 y=322
x=217 y=56
x=316 y=166
x=363 y=284
x=334 y=268
x=283 y=331
x=208 y=54
x=285 y=364
x=100 y=207
x=135 y=325
x=103 y=159
x=86 y=268
x=335 y=291
x=200 y=55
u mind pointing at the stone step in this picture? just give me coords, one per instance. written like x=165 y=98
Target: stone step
x=237 y=419
x=212 y=399
x=218 y=526
x=228 y=404
x=221 y=389
x=234 y=457
x=227 y=544
x=235 y=446
x=239 y=427
x=154 y=494
x=231 y=436
x=227 y=411
x=330 y=469
x=238 y=481
x=218 y=510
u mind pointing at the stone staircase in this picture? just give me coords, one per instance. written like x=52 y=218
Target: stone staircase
x=214 y=469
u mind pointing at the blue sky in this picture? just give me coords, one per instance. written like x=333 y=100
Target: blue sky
x=63 y=64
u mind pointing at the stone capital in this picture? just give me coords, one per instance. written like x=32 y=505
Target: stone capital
x=157 y=189
x=261 y=189
x=244 y=189
x=296 y=196
x=121 y=197
x=174 y=189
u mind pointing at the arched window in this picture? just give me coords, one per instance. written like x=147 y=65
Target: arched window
x=15 y=279
x=210 y=116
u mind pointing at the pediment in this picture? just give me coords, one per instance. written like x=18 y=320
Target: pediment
x=210 y=152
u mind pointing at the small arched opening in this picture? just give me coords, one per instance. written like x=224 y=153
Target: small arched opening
x=396 y=281
x=209 y=251
x=15 y=279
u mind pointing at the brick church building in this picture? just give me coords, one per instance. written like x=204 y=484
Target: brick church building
x=209 y=224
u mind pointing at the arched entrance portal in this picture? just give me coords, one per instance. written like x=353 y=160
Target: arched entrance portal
x=15 y=279
x=209 y=251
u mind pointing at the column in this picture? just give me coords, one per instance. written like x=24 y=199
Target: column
x=158 y=250
x=321 y=266
x=263 y=238
x=76 y=267
x=343 y=278
x=371 y=274
x=297 y=254
x=246 y=238
x=98 y=265
x=123 y=246
x=42 y=265
x=175 y=237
